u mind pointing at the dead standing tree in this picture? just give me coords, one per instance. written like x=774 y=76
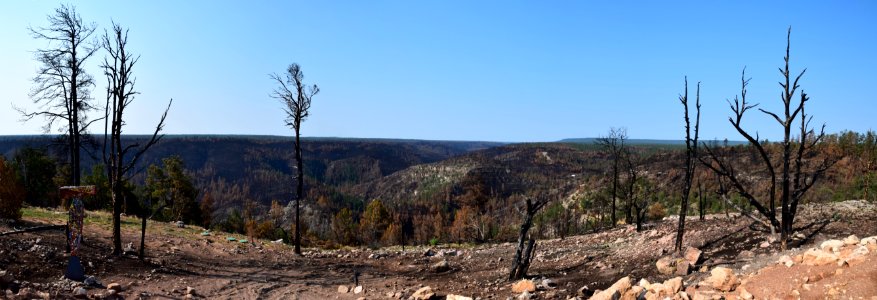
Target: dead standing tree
x=690 y=156
x=118 y=68
x=533 y=202
x=614 y=144
x=798 y=172
x=296 y=96
x=61 y=85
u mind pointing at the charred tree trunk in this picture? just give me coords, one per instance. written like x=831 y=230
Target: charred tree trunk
x=299 y=190
x=690 y=156
x=517 y=261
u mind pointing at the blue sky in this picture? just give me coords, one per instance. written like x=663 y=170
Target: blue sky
x=468 y=70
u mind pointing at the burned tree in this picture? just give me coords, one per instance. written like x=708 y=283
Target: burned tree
x=798 y=166
x=637 y=189
x=533 y=194
x=61 y=85
x=118 y=68
x=526 y=243
x=614 y=144
x=690 y=157
x=296 y=96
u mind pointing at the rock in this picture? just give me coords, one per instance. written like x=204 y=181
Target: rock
x=814 y=257
x=450 y=253
x=424 y=293
x=666 y=265
x=180 y=224
x=746 y=254
x=524 y=285
x=722 y=279
x=622 y=285
x=80 y=292
x=441 y=266
x=343 y=289
x=786 y=260
x=851 y=240
x=644 y=283
x=831 y=245
x=692 y=255
x=682 y=267
x=744 y=294
x=764 y=244
x=114 y=287
x=457 y=297
x=608 y=294
x=524 y=296
x=429 y=252
x=619 y=288
x=635 y=292
x=548 y=283
x=190 y=291
x=358 y=289
x=129 y=247
x=674 y=285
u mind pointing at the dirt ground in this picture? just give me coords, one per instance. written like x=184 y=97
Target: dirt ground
x=212 y=267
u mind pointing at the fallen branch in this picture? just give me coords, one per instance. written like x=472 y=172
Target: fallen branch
x=32 y=229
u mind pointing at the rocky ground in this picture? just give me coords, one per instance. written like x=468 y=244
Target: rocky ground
x=734 y=260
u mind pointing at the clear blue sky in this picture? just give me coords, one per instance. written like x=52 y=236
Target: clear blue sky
x=468 y=70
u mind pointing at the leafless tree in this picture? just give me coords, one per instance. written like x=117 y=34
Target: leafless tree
x=637 y=190
x=614 y=144
x=526 y=243
x=62 y=87
x=799 y=168
x=296 y=96
x=690 y=157
x=118 y=67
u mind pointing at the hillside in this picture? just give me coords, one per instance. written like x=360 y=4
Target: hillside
x=184 y=263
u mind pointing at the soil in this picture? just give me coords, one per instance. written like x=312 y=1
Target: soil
x=216 y=268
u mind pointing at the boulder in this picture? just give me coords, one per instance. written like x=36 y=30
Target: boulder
x=682 y=267
x=358 y=289
x=692 y=255
x=744 y=294
x=608 y=294
x=851 y=240
x=614 y=292
x=673 y=285
x=722 y=279
x=814 y=257
x=524 y=285
x=666 y=265
x=644 y=283
x=548 y=283
x=831 y=245
x=622 y=285
x=80 y=292
x=457 y=297
x=786 y=260
x=114 y=287
x=424 y=293
x=634 y=293
x=343 y=289
x=441 y=266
